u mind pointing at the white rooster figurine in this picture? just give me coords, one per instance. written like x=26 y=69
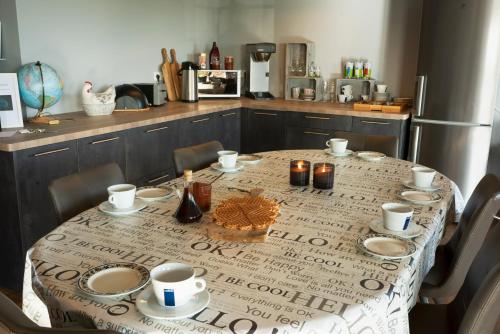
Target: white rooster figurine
x=90 y=98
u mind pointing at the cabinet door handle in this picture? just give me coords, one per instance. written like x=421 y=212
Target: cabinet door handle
x=104 y=140
x=316 y=133
x=158 y=178
x=375 y=122
x=51 y=152
x=157 y=129
x=317 y=117
x=229 y=114
x=265 y=113
x=201 y=120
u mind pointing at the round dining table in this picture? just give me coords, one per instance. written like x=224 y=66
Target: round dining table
x=309 y=276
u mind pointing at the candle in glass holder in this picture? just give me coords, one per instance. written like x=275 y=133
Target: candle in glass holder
x=323 y=175
x=299 y=172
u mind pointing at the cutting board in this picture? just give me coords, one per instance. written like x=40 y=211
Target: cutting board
x=174 y=69
x=167 y=76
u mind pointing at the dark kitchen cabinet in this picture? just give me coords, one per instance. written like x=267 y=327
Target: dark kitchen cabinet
x=264 y=131
x=319 y=121
x=386 y=127
x=197 y=130
x=36 y=168
x=228 y=129
x=306 y=138
x=102 y=149
x=149 y=153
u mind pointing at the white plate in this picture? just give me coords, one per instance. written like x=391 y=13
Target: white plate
x=218 y=166
x=108 y=208
x=343 y=154
x=113 y=279
x=153 y=193
x=420 y=197
x=411 y=185
x=386 y=246
x=249 y=159
x=147 y=304
x=370 y=156
x=413 y=230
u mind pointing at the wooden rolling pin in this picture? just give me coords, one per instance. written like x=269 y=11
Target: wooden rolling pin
x=167 y=76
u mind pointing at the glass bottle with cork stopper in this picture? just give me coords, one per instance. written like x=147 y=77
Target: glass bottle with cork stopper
x=188 y=211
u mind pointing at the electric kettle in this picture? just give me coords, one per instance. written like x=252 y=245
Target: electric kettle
x=189 y=85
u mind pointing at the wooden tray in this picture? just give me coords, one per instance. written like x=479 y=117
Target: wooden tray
x=380 y=107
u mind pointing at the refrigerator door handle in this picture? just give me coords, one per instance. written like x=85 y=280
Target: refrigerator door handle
x=415 y=138
x=420 y=95
x=439 y=122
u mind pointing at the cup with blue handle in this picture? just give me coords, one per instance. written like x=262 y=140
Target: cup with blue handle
x=396 y=216
x=174 y=284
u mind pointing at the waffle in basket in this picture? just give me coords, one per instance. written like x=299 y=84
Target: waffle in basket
x=246 y=213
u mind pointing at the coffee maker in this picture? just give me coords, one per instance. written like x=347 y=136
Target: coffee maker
x=258 y=70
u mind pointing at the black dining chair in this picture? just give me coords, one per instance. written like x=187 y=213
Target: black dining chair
x=389 y=145
x=13 y=320
x=476 y=308
x=196 y=157
x=454 y=258
x=78 y=192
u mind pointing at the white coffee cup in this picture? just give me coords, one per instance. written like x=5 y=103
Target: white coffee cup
x=295 y=92
x=342 y=98
x=423 y=176
x=228 y=158
x=337 y=145
x=365 y=98
x=397 y=216
x=347 y=89
x=349 y=97
x=174 y=284
x=381 y=88
x=121 y=196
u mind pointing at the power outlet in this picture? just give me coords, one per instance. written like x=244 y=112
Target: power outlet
x=157 y=77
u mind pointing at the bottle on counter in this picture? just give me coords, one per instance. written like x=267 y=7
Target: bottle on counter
x=202 y=61
x=214 y=58
x=358 y=69
x=367 y=70
x=188 y=211
x=349 y=68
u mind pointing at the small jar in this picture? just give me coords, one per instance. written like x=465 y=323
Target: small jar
x=229 y=63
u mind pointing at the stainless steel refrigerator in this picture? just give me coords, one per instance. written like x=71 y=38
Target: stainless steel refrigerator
x=458 y=71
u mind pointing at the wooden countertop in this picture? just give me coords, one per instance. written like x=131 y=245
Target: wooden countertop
x=78 y=125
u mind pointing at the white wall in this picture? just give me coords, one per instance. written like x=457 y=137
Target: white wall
x=384 y=31
x=119 y=41
x=111 y=41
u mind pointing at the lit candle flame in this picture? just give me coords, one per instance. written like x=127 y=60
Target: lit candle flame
x=324 y=168
x=299 y=165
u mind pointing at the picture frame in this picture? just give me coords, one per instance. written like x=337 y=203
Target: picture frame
x=11 y=115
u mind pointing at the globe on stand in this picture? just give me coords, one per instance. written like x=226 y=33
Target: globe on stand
x=40 y=87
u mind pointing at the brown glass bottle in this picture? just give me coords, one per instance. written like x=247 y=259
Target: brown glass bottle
x=214 y=58
x=188 y=211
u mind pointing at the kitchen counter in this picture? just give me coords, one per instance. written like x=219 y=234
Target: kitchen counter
x=78 y=125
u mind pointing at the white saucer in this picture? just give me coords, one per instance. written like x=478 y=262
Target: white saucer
x=249 y=159
x=413 y=230
x=386 y=246
x=108 y=208
x=153 y=193
x=217 y=166
x=411 y=185
x=147 y=304
x=346 y=153
x=370 y=156
x=420 y=197
x=113 y=279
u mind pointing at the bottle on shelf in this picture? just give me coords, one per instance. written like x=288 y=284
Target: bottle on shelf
x=214 y=58
x=188 y=211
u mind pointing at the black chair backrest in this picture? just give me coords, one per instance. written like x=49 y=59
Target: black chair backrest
x=473 y=227
x=196 y=157
x=78 y=192
x=476 y=307
x=13 y=320
x=389 y=145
